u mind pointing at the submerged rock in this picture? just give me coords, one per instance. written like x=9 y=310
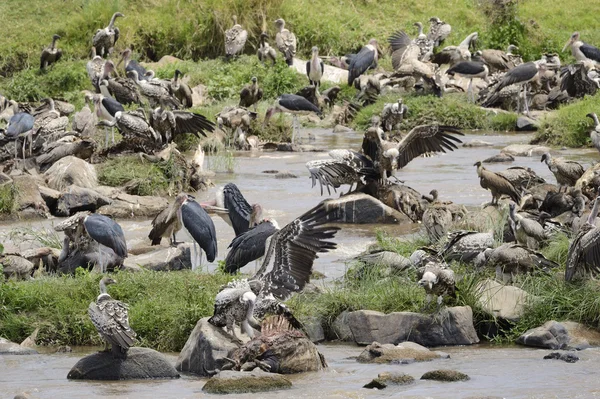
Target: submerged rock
x=395 y=378
x=565 y=357
x=129 y=206
x=502 y=301
x=502 y=157
x=477 y=143
x=227 y=382
x=404 y=353
x=525 y=124
x=141 y=363
x=525 y=150
x=452 y=326
x=10 y=348
x=362 y=208
x=551 y=335
x=445 y=376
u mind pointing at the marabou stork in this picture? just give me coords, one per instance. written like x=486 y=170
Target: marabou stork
x=168 y=222
x=251 y=94
x=50 y=54
x=582 y=51
x=286 y=41
x=520 y=75
x=104 y=40
x=172 y=123
x=315 y=68
x=235 y=39
x=240 y=215
x=132 y=65
x=361 y=62
x=295 y=105
x=106 y=109
x=250 y=245
x=20 y=125
x=595 y=134
x=201 y=227
x=111 y=319
x=469 y=70
x=291 y=251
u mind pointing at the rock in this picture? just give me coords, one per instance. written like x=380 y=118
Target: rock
x=362 y=208
x=10 y=348
x=15 y=266
x=141 y=363
x=453 y=326
x=64 y=349
x=502 y=301
x=330 y=73
x=525 y=124
x=22 y=395
x=445 y=376
x=314 y=329
x=395 y=378
x=404 y=353
x=581 y=336
x=228 y=381
x=205 y=349
x=285 y=174
x=163 y=259
x=29 y=200
x=477 y=143
x=130 y=206
x=551 y=335
x=376 y=383
x=525 y=150
x=164 y=61
x=50 y=196
x=199 y=95
x=71 y=171
x=341 y=129
x=565 y=357
x=502 y=157
x=340 y=328
x=76 y=199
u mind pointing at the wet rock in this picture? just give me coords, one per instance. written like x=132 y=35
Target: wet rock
x=314 y=329
x=525 y=124
x=141 y=363
x=340 y=330
x=71 y=171
x=395 y=378
x=15 y=266
x=163 y=259
x=502 y=157
x=376 y=383
x=525 y=150
x=551 y=335
x=76 y=199
x=363 y=208
x=30 y=203
x=445 y=376
x=452 y=326
x=205 y=349
x=129 y=206
x=477 y=143
x=227 y=382
x=565 y=357
x=10 y=348
x=404 y=353
x=286 y=174
x=502 y=301
x=581 y=336
x=341 y=129
x=51 y=197
x=22 y=395
x=289 y=147
x=64 y=349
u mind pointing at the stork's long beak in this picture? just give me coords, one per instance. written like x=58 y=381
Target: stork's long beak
x=214 y=209
x=567 y=44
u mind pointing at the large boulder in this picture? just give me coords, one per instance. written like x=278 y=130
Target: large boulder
x=205 y=349
x=551 y=335
x=453 y=326
x=525 y=124
x=229 y=381
x=502 y=301
x=10 y=348
x=71 y=171
x=76 y=199
x=163 y=259
x=362 y=208
x=141 y=363
x=51 y=197
x=340 y=329
x=30 y=203
x=129 y=206
x=404 y=353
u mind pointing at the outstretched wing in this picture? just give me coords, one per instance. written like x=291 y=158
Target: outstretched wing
x=190 y=122
x=426 y=139
x=293 y=250
x=583 y=258
x=346 y=167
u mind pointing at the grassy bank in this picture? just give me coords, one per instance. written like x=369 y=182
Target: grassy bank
x=569 y=126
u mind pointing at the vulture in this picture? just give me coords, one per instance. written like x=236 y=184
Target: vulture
x=235 y=39
x=104 y=40
x=511 y=259
x=250 y=245
x=583 y=258
x=50 y=54
x=566 y=172
x=437 y=280
x=315 y=68
x=251 y=94
x=497 y=184
x=169 y=123
x=265 y=51
x=286 y=41
x=168 y=222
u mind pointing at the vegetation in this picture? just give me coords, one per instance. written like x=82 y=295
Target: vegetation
x=8 y=196
x=569 y=126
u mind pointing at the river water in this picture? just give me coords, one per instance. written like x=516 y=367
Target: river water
x=504 y=372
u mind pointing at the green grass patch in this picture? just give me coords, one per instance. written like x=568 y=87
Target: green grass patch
x=8 y=199
x=151 y=177
x=569 y=126
x=164 y=307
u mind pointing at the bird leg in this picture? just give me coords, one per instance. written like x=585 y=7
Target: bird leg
x=428 y=299
x=470 y=91
x=294 y=121
x=112 y=129
x=195 y=262
x=173 y=240
x=105 y=137
x=526 y=106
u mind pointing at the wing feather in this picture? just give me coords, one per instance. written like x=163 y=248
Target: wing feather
x=427 y=139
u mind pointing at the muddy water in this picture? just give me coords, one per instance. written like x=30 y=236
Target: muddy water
x=501 y=372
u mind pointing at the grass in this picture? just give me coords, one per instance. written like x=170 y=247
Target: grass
x=569 y=126
x=8 y=199
x=451 y=109
x=164 y=307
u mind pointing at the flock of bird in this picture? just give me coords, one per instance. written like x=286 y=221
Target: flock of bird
x=537 y=210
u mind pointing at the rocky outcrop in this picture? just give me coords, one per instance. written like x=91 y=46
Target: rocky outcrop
x=555 y=335
x=404 y=353
x=29 y=201
x=76 y=199
x=141 y=363
x=227 y=382
x=10 y=348
x=205 y=349
x=163 y=259
x=453 y=326
x=502 y=301
x=129 y=206
x=445 y=376
x=71 y=171
x=362 y=208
